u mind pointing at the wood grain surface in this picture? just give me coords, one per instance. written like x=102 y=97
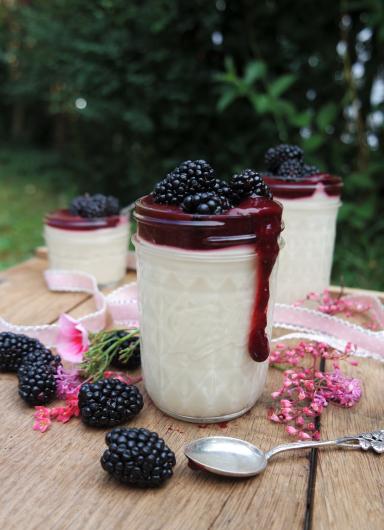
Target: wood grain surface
x=55 y=481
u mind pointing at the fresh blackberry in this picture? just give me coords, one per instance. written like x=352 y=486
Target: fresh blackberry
x=310 y=170
x=275 y=156
x=94 y=206
x=108 y=402
x=221 y=188
x=248 y=183
x=134 y=360
x=37 y=383
x=44 y=356
x=15 y=347
x=199 y=173
x=138 y=457
x=188 y=178
x=205 y=203
x=172 y=189
x=291 y=169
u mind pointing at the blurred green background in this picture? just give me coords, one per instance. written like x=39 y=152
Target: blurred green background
x=107 y=95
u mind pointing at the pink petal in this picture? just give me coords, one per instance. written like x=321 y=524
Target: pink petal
x=67 y=324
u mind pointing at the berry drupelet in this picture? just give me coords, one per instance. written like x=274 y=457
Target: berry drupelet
x=108 y=402
x=248 y=183
x=205 y=203
x=188 y=178
x=275 y=156
x=14 y=349
x=138 y=457
x=310 y=170
x=291 y=169
x=37 y=382
x=94 y=206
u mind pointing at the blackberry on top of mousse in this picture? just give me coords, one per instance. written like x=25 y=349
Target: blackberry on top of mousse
x=287 y=161
x=194 y=187
x=93 y=206
x=90 y=235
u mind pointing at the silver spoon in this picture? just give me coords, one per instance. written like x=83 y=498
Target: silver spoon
x=237 y=458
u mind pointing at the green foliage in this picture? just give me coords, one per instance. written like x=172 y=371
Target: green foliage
x=125 y=90
x=32 y=183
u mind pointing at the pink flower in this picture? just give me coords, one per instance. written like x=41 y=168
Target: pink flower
x=72 y=340
x=67 y=382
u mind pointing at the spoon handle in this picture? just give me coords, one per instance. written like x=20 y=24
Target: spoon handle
x=366 y=440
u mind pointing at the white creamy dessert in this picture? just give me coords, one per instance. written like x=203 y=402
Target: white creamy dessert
x=305 y=262
x=195 y=368
x=197 y=309
x=97 y=245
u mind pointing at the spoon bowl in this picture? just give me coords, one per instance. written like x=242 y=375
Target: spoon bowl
x=232 y=457
x=226 y=456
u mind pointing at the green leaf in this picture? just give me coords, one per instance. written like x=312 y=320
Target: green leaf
x=313 y=142
x=300 y=119
x=261 y=103
x=226 y=99
x=254 y=70
x=281 y=85
x=326 y=115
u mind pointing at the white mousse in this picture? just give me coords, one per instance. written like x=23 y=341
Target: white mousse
x=193 y=367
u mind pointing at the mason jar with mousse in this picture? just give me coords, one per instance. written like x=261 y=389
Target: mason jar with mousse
x=310 y=207
x=91 y=236
x=206 y=289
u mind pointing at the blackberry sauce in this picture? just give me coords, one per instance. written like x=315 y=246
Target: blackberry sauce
x=256 y=221
x=283 y=188
x=65 y=220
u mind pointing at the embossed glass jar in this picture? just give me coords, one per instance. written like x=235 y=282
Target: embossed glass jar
x=310 y=208
x=98 y=246
x=206 y=301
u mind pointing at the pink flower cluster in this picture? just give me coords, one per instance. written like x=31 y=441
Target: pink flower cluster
x=341 y=306
x=306 y=391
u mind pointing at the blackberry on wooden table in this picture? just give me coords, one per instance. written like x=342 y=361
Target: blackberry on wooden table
x=109 y=402
x=138 y=457
x=15 y=347
x=37 y=383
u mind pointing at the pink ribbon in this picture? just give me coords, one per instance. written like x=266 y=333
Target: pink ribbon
x=334 y=330
x=120 y=306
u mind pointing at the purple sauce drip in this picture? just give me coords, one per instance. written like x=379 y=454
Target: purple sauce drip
x=256 y=221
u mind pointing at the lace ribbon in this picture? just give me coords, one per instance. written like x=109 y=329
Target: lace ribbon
x=120 y=305
x=122 y=308
x=314 y=325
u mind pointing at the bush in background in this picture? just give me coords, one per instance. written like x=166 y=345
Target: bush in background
x=125 y=90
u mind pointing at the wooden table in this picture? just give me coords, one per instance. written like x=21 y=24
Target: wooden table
x=55 y=481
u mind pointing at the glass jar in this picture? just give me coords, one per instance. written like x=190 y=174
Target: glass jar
x=206 y=290
x=310 y=208
x=98 y=246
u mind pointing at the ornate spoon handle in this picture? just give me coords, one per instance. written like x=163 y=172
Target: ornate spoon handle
x=366 y=440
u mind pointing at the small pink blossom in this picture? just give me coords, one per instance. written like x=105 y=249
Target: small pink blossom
x=72 y=340
x=306 y=391
x=44 y=415
x=68 y=382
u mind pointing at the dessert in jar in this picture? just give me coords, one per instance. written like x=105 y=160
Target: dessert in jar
x=311 y=201
x=91 y=236
x=206 y=254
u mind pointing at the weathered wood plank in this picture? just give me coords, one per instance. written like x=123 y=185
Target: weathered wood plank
x=55 y=479
x=25 y=299
x=350 y=484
